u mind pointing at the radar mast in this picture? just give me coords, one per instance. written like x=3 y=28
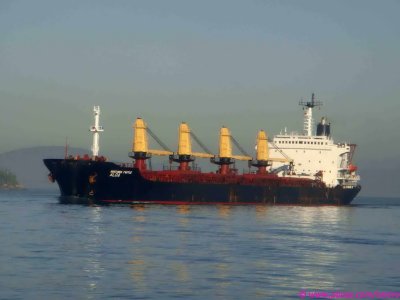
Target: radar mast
x=96 y=128
x=308 y=119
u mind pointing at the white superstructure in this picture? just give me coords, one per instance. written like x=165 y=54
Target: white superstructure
x=96 y=128
x=315 y=155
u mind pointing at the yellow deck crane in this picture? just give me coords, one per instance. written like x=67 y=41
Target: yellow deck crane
x=262 y=154
x=225 y=157
x=184 y=154
x=140 y=149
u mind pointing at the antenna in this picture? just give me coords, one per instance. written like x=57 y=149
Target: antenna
x=308 y=120
x=66 y=148
x=310 y=104
x=96 y=128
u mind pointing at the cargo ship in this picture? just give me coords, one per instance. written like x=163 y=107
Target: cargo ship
x=290 y=168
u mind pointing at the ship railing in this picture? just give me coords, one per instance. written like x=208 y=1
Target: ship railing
x=248 y=171
x=125 y=165
x=342 y=145
x=348 y=177
x=349 y=182
x=176 y=168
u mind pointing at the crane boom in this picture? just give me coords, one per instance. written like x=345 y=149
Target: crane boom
x=159 y=152
x=202 y=155
x=242 y=157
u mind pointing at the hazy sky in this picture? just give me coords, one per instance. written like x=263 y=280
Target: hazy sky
x=243 y=64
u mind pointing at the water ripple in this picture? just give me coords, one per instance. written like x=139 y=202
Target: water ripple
x=55 y=251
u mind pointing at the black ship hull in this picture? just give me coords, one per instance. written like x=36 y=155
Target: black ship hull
x=87 y=181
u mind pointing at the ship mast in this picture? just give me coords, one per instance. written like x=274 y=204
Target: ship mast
x=308 y=119
x=96 y=128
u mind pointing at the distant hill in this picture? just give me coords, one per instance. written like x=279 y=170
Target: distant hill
x=27 y=164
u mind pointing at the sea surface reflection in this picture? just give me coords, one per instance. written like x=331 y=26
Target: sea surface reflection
x=194 y=252
x=257 y=251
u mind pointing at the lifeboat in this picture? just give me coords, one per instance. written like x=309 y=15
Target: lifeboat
x=352 y=168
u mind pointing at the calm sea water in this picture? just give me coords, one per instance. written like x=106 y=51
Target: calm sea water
x=54 y=251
